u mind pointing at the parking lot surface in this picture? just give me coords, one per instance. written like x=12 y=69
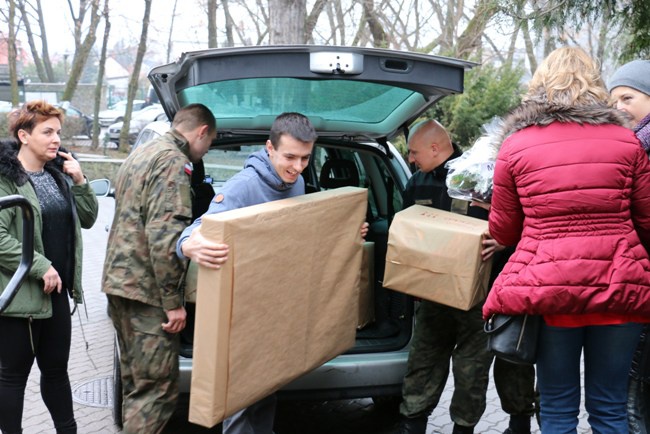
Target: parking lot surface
x=91 y=370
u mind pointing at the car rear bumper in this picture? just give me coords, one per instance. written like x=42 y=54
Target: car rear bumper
x=345 y=377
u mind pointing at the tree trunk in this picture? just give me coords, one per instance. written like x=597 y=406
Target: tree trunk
x=212 y=24
x=40 y=70
x=470 y=40
x=230 y=40
x=47 y=62
x=287 y=21
x=100 y=76
x=530 y=50
x=312 y=19
x=135 y=76
x=379 y=38
x=171 y=31
x=11 y=45
x=81 y=54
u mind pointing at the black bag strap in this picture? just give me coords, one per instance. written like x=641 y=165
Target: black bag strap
x=489 y=326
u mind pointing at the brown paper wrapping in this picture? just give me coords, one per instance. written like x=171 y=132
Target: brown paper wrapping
x=436 y=255
x=285 y=302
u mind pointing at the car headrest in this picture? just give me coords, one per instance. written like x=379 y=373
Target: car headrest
x=339 y=173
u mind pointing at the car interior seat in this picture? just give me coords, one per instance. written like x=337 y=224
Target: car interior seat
x=338 y=173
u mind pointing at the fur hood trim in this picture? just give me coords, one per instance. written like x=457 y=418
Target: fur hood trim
x=11 y=168
x=541 y=113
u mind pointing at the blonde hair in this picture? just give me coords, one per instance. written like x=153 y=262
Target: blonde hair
x=569 y=77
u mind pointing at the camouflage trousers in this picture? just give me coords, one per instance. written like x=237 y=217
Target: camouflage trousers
x=149 y=365
x=515 y=385
x=444 y=336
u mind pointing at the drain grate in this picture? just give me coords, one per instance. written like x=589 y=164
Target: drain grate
x=97 y=392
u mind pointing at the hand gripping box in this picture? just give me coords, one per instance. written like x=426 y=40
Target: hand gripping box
x=284 y=303
x=436 y=255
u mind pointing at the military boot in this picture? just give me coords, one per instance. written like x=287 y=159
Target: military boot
x=460 y=429
x=519 y=424
x=413 y=425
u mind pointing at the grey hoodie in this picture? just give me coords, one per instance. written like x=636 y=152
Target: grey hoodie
x=257 y=183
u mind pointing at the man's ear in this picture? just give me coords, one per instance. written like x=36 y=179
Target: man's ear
x=269 y=146
x=203 y=130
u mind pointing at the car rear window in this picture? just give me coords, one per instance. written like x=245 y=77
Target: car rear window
x=331 y=100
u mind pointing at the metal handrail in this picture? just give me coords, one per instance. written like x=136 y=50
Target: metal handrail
x=28 y=248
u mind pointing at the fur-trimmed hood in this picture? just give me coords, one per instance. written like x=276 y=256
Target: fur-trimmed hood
x=11 y=168
x=538 y=111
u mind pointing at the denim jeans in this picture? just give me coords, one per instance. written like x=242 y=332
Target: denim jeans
x=608 y=354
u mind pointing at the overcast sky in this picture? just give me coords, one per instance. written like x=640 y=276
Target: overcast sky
x=190 y=26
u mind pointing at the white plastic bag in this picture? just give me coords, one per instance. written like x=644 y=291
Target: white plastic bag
x=469 y=176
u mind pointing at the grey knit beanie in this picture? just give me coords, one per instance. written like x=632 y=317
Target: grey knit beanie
x=635 y=74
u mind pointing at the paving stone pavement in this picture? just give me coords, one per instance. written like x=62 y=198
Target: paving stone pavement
x=91 y=363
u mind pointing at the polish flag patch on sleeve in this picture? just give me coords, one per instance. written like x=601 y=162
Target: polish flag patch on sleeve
x=188 y=168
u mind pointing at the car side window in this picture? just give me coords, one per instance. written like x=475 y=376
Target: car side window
x=223 y=163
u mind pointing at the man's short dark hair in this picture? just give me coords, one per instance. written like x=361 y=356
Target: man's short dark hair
x=194 y=115
x=293 y=124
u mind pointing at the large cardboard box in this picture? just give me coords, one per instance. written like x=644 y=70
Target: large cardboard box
x=285 y=302
x=436 y=255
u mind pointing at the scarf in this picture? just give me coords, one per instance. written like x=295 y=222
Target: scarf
x=642 y=131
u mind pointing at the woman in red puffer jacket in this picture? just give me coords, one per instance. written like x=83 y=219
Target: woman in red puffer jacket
x=572 y=191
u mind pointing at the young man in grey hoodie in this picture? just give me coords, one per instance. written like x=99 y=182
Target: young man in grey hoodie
x=269 y=174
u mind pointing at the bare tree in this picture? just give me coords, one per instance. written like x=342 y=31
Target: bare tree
x=312 y=19
x=100 y=76
x=38 y=63
x=470 y=40
x=259 y=18
x=83 y=44
x=32 y=11
x=212 y=23
x=336 y=20
x=373 y=21
x=171 y=31
x=230 y=24
x=11 y=45
x=135 y=75
x=287 y=21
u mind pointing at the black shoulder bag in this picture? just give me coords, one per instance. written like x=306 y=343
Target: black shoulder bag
x=513 y=338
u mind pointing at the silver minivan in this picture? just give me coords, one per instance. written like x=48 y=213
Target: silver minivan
x=359 y=100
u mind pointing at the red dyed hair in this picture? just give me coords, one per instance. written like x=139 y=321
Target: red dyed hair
x=30 y=114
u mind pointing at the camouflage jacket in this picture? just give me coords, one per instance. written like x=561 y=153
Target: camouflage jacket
x=153 y=206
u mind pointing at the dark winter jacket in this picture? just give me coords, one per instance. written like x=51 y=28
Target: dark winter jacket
x=30 y=300
x=572 y=192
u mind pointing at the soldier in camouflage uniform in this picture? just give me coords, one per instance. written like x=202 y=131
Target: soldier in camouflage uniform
x=515 y=386
x=142 y=272
x=443 y=334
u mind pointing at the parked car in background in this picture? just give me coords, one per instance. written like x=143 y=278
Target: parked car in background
x=115 y=113
x=75 y=123
x=139 y=120
x=150 y=132
x=5 y=106
x=358 y=99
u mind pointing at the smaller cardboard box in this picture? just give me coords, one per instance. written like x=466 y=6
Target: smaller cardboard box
x=436 y=255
